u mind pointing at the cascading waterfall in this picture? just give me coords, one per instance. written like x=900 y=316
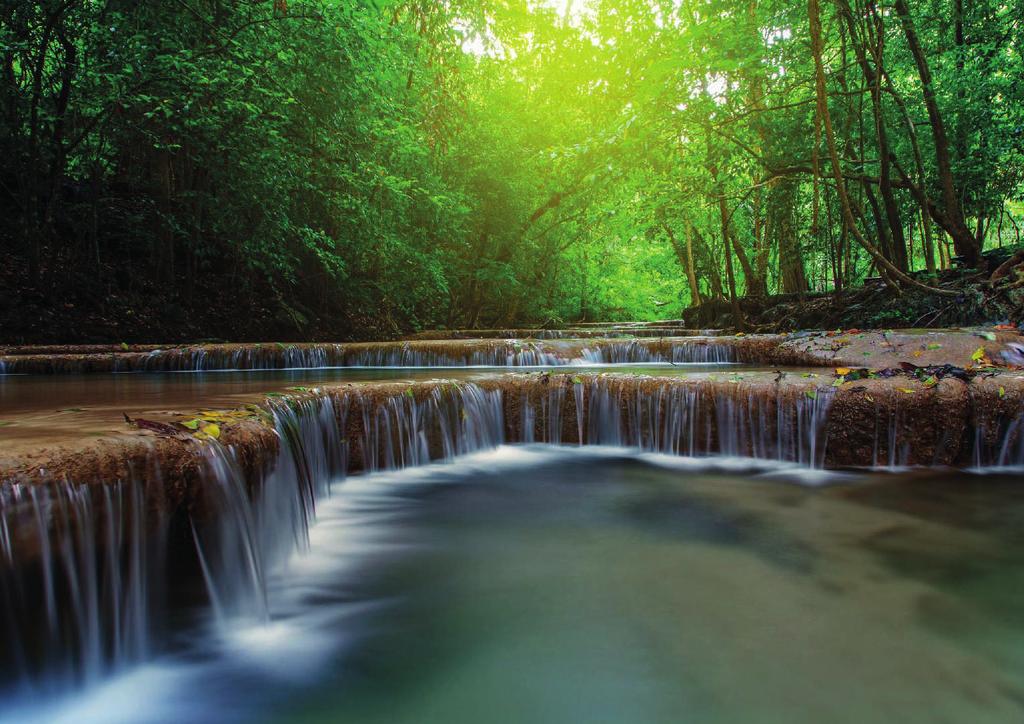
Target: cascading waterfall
x=251 y=357
x=684 y=419
x=82 y=567
x=998 y=436
x=81 y=570
x=512 y=354
x=256 y=527
x=636 y=352
x=479 y=353
x=454 y=419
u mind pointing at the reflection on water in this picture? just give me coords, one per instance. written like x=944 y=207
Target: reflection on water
x=539 y=584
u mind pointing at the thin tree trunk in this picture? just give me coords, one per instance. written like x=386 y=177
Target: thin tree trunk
x=814 y=16
x=965 y=244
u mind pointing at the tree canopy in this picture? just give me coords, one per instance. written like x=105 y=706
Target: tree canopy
x=400 y=164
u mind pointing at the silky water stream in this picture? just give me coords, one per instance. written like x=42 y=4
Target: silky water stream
x=527 y=582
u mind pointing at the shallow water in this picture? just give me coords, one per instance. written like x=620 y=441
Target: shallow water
x=48 y=409
x=542 y=584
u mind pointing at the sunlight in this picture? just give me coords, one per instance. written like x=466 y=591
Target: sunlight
x=574 y=10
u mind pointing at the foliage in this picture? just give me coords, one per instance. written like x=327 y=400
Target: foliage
x=400 y=164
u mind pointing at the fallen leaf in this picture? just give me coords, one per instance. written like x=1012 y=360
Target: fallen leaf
x=842 y=371
x=905 y=390
x=160 y=428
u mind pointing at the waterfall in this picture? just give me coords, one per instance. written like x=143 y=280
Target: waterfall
x=681 y=418
x=402 y=430
x=82 y=567
x=258 y=524
x=81 y=571
x=640 y=352
x=421 y=353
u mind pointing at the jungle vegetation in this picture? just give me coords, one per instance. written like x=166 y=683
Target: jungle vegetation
x=391 y=165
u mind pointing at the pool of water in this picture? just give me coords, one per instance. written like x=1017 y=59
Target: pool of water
x=551 y=584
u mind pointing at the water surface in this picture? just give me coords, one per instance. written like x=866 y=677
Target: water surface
x=540 y=584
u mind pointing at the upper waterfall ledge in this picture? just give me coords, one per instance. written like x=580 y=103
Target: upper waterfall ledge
x=857 y=348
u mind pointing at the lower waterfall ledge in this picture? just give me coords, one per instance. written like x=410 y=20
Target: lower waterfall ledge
x=106 y=521
x=893 y=421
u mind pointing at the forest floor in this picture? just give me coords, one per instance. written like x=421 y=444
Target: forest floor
x=992 y=296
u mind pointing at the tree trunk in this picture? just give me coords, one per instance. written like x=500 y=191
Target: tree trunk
x=884 y=265
x=965 y=244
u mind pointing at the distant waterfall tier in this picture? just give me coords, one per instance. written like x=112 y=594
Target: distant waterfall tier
x=419 y=353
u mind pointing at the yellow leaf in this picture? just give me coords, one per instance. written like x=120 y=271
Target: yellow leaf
x=842 y=371
x=212 y=430
x=979 y=354
x=905 y=390
x=918 y=353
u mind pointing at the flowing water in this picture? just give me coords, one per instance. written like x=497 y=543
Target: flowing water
x=549 y=584
x=533 y=581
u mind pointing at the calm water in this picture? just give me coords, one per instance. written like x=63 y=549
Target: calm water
x=534 y=584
